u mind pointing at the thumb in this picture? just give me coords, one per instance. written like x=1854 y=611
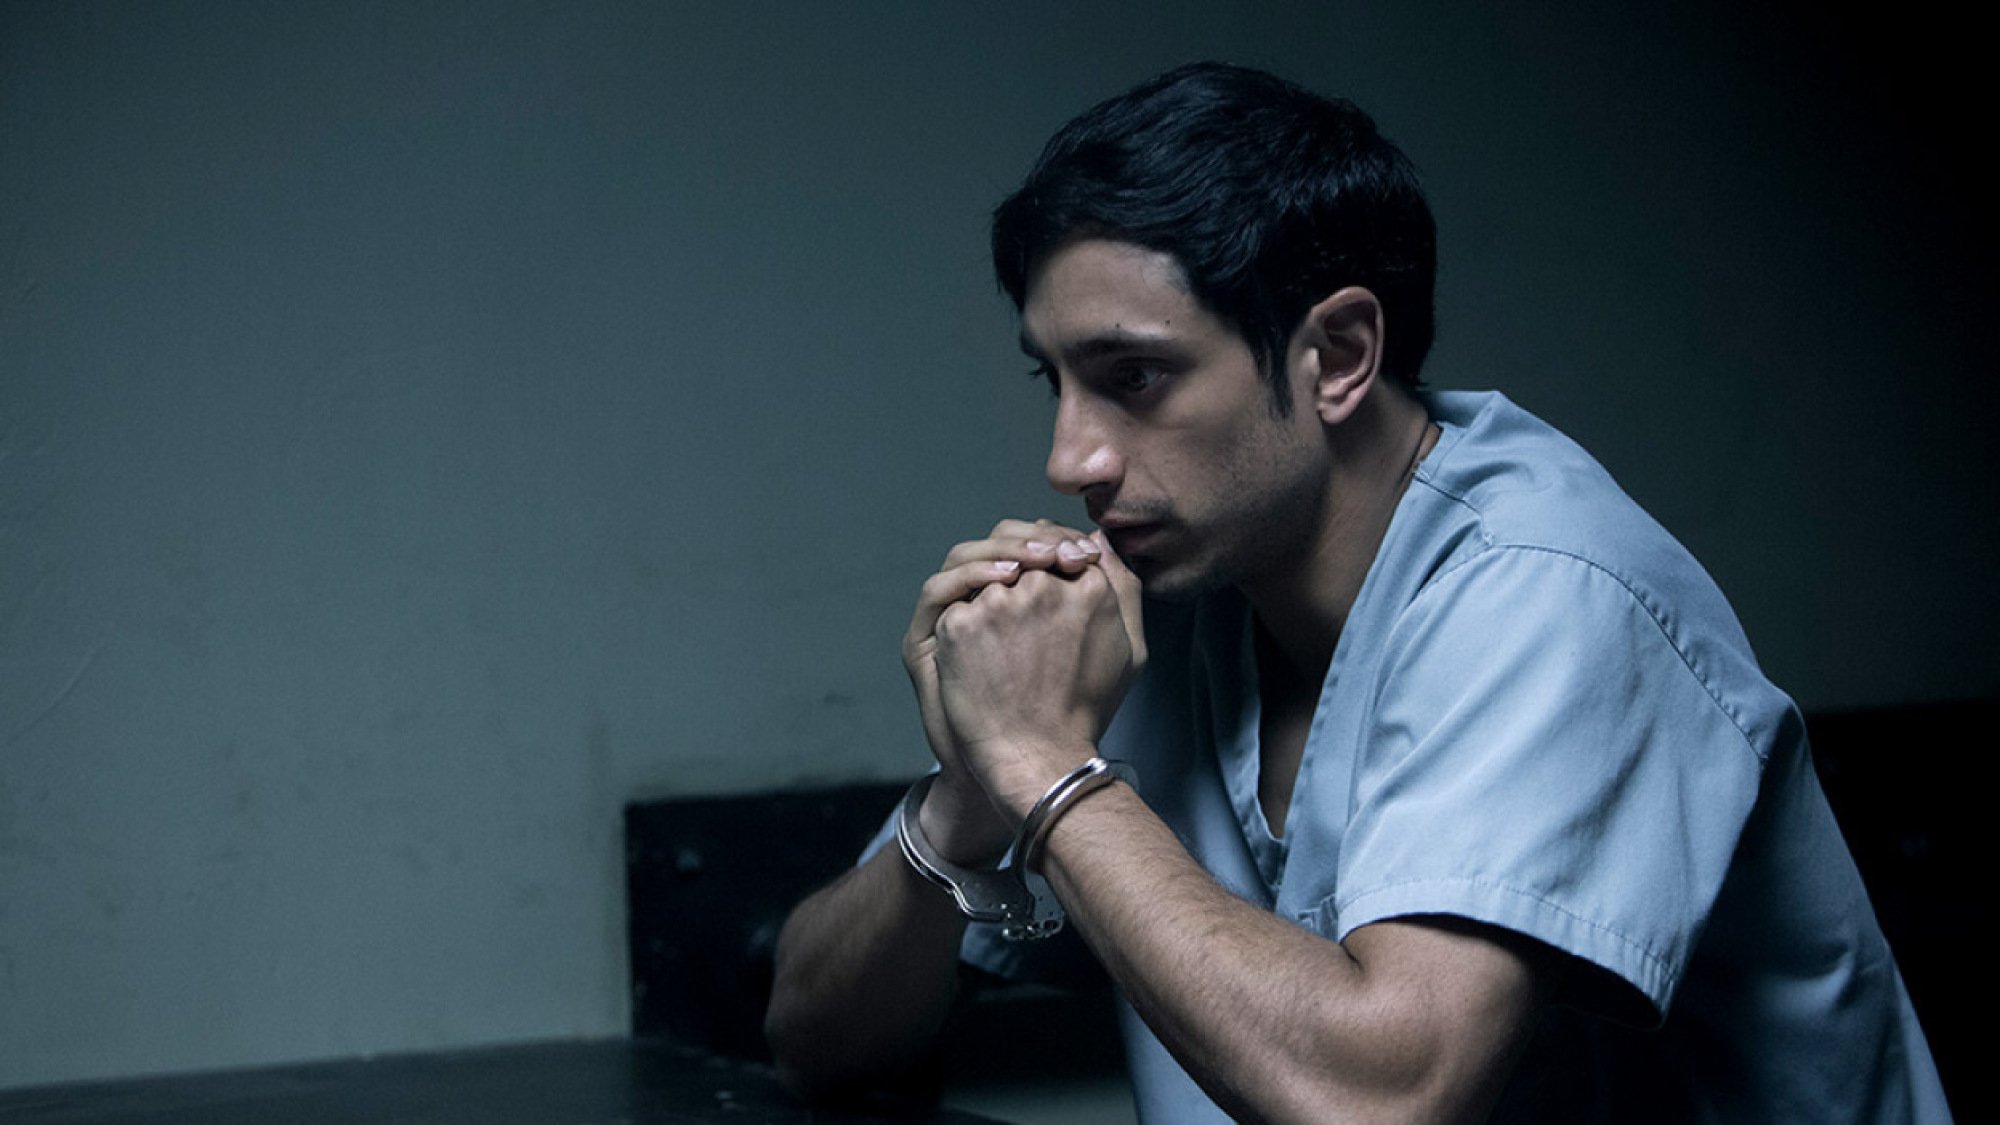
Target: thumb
x=1125 y=585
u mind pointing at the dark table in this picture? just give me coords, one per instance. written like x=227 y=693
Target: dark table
x=607 y=1082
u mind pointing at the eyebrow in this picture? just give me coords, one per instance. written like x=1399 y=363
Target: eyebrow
x=1113 y=342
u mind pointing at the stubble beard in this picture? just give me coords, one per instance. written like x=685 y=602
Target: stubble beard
x=1243 y=546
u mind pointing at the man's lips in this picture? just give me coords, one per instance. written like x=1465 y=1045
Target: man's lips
x=1128 y=536
x=1122 y=519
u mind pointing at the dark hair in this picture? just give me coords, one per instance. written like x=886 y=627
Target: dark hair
x=1269 y=196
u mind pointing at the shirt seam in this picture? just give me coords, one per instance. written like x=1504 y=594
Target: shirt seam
x=1631 y=591
x=1660 y=963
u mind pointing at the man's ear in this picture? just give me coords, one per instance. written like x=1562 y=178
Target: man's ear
x=1340 y=342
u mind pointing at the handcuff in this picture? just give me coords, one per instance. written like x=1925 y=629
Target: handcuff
x=1013 y=895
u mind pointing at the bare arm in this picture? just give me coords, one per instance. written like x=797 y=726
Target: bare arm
x=1416 y=1020
x=867 y=972
x=1413 y=1020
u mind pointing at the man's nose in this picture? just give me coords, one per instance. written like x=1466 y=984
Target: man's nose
x=1082 y=456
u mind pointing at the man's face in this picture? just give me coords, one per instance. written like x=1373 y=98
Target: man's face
x=1165 y=427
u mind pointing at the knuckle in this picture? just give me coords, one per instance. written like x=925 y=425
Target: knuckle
x=1035 y=581
x=1093 y=579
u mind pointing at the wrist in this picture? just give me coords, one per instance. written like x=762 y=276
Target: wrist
x=961 y=822
x=1015 y=896
x=1071 y=788
x=1038 y=769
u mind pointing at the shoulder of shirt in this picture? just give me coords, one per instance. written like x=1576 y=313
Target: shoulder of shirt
x=1523 y=482
x=1504 y=478
x=1505 y=482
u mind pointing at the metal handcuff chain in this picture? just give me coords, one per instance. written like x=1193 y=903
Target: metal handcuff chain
x=1014 y=895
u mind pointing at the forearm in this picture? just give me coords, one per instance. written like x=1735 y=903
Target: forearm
x=867 y=971
x=1274 y=1022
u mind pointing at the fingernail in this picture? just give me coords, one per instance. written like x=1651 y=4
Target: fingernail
x=1037 y=547
x=1076 y=552
x=1006 y=566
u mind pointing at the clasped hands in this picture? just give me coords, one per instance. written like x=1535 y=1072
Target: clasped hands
x=1021 y=648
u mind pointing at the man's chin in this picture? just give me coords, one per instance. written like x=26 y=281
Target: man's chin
x=1167 y=583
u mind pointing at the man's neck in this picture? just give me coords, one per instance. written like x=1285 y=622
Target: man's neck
x=1303 y=608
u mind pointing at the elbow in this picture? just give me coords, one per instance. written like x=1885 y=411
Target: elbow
x=800 y=1084
x=806 y=1053
x=1314 y=1097
x=794 y=1032
x=1406 y=1071
x=788 y=1034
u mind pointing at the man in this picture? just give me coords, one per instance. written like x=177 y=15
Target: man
x=1458 y=793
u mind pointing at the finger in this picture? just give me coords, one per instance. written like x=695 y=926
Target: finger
x=955 y=584
x=1074 y=555
x=1027 y=551
x=1038 y=551
x=1025 y=529
x=1126 y=586
x=1040 y=531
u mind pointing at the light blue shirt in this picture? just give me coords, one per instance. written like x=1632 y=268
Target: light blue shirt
x=1543 y=715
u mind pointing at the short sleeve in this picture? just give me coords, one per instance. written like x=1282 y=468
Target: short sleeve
x=1542 y=758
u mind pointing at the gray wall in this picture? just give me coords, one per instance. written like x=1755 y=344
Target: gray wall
x=424 y=427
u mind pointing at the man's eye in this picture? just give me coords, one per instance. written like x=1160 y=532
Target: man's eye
x=1047 y=374
x=1134 y=378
